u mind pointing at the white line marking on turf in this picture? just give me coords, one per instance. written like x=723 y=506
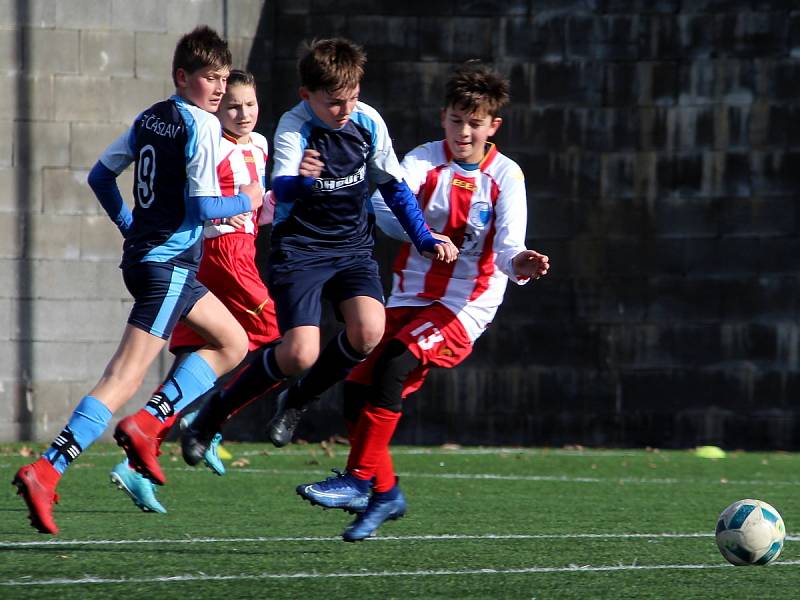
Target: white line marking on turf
x=386 y=538
x=495 y=476
x=417 y=573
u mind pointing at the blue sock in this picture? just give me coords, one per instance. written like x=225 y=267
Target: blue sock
x=363 y=485
x=391 y=494
x=87 y=423
x=193 y=378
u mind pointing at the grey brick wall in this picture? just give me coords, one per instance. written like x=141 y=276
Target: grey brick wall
x=661 y=145
x=75 y=73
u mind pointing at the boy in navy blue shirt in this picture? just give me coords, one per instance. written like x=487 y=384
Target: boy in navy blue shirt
x=174 y=145
x=327 y=151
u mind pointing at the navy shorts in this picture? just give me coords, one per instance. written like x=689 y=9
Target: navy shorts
x=299 y=281
x=162 y=294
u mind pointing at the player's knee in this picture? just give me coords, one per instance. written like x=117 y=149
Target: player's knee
x=364 y=338
x=298 y=358
x=234 y=349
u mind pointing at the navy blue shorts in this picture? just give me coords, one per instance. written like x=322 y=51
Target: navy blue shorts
x=299 y=281
x=162 y=295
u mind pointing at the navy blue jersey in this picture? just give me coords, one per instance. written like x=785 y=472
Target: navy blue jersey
x=335 y=214
x=174 y=145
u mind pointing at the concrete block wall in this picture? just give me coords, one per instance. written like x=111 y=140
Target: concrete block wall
x=661 y=146
x=75 y=73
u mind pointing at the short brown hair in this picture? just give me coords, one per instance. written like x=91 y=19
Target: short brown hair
x=240 y=77
x=200 y=48
x=331 y=64
x=475 y=87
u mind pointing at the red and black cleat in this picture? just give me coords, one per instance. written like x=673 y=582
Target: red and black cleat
x=140 y=436
x=36 y=483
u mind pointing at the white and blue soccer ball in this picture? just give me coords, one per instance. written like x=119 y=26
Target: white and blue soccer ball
x=750 y=532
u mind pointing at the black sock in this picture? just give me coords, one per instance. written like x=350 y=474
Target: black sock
x=261 y=375
x=333 y=365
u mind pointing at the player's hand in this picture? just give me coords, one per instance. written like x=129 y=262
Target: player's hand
x=530 y=263
x=310 y=165
x=254 y=192
x=446 y=251
x=238 y=220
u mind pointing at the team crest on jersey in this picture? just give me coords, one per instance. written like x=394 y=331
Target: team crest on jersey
x=479 y=214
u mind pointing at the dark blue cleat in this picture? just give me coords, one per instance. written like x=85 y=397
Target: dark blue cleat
x=340 y=491
x=379 y=510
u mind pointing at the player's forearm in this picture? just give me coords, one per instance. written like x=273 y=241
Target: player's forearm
x=287 y=188
x=403 y=204
x=103 y=182
x=203 y=208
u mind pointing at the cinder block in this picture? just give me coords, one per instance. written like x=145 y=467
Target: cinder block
x=149 y=15
x=83 y=14
x=100 y=239
x=5 y=315
x=246 y=16
x=385 y=37
x=66 y=280
x=24 y=98
x=107 y=53
x=78 y=320
x=88 y=98
x=65 y=192
x=9 y=235
x=154 y=55
x=55 y=236
x=23 y=192
x=51 y=147
x=88 y=140
x=60 y=361
x=53 y=51
x=32 y=13
x=207 y=12
x=7 y=130
x=129 y=97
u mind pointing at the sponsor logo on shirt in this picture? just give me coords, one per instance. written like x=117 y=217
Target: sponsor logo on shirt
x=331 y=184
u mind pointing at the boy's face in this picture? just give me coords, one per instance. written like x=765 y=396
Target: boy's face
x=238 y=111
x=203 y=88
x=332 y=108
x=466 y=133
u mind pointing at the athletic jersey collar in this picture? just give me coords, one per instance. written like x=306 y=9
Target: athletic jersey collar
x=230 y=137
x=488 y=156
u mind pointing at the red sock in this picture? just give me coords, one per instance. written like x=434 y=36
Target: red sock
x=385 y=477
x=374 y=432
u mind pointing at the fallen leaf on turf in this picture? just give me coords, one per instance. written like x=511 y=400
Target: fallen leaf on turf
x=240 y=462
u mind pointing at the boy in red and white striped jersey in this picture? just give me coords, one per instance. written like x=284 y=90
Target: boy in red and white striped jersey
x=475 y=195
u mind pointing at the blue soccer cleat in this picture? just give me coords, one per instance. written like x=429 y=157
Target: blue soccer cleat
x=379 y=510
x=339 y=491
x=140 y=489
x=211 y=457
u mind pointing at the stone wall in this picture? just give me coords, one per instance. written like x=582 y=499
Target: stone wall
x=661 y=145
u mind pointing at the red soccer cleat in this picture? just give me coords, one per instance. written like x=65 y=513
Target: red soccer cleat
x=140 y=436
x=36 y=483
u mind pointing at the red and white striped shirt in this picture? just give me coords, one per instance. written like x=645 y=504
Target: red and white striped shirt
x=240 y=164
x=483 y=211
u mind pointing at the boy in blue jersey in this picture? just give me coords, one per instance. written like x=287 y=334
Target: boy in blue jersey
x=173 y=145
x=327 y=150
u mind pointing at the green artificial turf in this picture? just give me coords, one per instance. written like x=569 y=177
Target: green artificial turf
x=482 y=523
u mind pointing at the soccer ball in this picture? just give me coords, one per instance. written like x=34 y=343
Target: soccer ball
x=750 y=532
